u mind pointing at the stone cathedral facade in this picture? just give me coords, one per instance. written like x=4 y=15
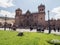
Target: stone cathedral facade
x=30 y=19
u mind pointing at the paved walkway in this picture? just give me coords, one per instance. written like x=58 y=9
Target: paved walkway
x=34 y=30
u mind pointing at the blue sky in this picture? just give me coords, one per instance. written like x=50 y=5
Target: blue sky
x=8 y=7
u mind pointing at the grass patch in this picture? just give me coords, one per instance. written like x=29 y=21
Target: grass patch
x=29 y=38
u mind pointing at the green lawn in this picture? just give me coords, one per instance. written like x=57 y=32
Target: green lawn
x=29 y=38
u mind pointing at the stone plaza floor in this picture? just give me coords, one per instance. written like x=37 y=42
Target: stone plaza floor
x=34 y=30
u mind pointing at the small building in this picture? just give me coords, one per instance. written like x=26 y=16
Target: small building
x=8 y=21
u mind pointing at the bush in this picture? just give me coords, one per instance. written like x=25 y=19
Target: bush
x=20 y=34
x=54 y=41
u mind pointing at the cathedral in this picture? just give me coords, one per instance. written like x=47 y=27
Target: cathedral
x=30 y=19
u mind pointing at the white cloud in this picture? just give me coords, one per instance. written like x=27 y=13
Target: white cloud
x=9 y=14
x=6 y=3
x=56 y=11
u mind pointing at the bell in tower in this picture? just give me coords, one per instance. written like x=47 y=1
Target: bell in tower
x=41 y=8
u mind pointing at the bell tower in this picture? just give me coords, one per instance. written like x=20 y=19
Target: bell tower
x=41 y=8
x=41 y=14
x=17 y=16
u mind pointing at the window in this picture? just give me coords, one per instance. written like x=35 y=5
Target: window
x=42 y=9
x=41 y=18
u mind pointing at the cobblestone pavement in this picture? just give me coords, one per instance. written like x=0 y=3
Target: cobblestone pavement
x=34 y=30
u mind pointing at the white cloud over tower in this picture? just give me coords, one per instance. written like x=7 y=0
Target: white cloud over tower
x=56 y=11
x=6 y=3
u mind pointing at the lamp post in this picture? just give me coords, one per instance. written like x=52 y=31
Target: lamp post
x=5 y=22
x=49 y=22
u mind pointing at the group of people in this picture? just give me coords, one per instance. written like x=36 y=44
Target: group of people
x=38 y=29
x=41 y=29
x=10 y=26
x=56 y=29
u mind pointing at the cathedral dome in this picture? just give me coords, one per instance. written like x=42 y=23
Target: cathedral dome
x=41 y=5
x=18 y=9
x=28 y=11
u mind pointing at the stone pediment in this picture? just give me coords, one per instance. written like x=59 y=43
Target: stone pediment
x=28 y=12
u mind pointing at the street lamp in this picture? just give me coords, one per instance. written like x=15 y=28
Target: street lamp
x=49 y=22
x=5 y=22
